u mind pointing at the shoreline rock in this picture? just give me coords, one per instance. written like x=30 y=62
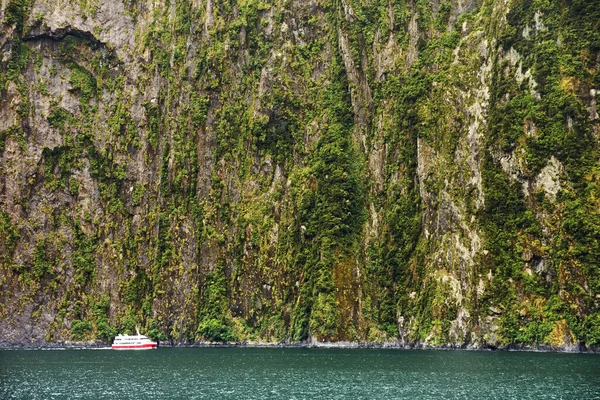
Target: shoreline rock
x=51 y=345
x=577 y=349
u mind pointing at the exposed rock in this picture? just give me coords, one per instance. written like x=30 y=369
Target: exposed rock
x=299 y=172
x=548 y=179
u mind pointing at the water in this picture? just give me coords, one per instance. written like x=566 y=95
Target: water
x=259 y=373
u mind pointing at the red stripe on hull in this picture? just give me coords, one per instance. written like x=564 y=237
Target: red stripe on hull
x=147 y=346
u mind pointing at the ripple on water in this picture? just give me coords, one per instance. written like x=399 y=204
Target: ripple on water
x=234 y=373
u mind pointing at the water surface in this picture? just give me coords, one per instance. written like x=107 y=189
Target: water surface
x=262 y=373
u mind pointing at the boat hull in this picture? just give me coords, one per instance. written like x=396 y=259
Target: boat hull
x=145 y=346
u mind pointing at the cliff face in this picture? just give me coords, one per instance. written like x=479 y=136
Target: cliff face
x=411 y=170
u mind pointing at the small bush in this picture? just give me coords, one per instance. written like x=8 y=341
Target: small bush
x=215 y=330
x=79 y=329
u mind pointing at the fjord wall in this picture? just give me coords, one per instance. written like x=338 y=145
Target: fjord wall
x=410 y=171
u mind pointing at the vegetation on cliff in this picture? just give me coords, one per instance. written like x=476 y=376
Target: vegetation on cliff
x=406 y=170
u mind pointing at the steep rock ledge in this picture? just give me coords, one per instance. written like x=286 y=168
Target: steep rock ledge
x=414 y=172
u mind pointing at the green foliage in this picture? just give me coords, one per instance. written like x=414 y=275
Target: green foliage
x=123 y=128
x=58 y=117
x=17 y=133
x=19 y=59
x=101 y=307
x=138 y=193
x=41 y=264
x=100 y=312
x=592 y=329
x=16 y=13
x=153 y=118
x=68 y=46
x=332 y=210
x=324 y=315
x=83 y=257
x=129 y=322
x=279 y=133
x=552 y=123
x=105 y=331
x=59 y=163
x=214 y=322
x=84 y=83
x=9 y=235
x=164 y=244
x=3 y=136
x=198 y=109
x=215 y=330
x=138 y=287
x=154 y=332
x=79 y=329
x=443 y=16
x=335 y=209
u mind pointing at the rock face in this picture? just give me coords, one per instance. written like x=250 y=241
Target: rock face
x=409 y=171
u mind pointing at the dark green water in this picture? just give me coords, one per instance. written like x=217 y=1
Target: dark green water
x=255 y=373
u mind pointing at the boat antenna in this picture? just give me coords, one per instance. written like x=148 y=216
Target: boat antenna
x=137 y=330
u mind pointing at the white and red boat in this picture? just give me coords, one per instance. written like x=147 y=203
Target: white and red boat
x=134 y=342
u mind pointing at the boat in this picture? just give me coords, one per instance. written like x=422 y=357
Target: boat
x=133 y=342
